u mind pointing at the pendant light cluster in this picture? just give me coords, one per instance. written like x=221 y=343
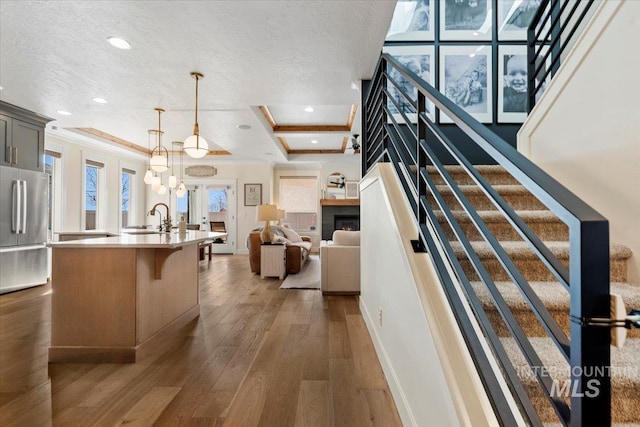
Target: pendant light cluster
x=158 y=162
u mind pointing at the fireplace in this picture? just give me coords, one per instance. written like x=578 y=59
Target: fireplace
x=346 y=222
x=351 y=214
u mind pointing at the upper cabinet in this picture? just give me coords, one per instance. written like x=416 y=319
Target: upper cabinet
x=21 y=138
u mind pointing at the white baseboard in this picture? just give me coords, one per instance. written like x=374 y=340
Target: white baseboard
x=404 y=410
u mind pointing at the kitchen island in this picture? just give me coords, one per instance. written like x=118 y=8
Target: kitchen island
x=113 y=298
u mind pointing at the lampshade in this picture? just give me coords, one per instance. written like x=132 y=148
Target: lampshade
x=173 y=181
x=196 y=146
x=148 y=176
x=156 y=182
x=162 y=190
x=182 y=190
x=159 y=163
x=267 y=213
x=281 y=213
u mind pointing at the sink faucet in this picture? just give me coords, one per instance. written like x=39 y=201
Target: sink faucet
x=166 y=224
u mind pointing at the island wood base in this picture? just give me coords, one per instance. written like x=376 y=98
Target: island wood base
x=113 y=304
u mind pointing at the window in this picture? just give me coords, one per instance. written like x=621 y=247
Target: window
x=299 y=198
x=126 y=195
x=93 y=189
x=52 y=166
x=184 y=206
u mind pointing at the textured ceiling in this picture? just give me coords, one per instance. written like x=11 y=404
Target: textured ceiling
x=284 y=54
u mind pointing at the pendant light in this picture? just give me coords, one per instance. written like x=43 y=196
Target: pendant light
x=195 y=145
x=156 y=182
x=173 y=181
x=159 y=156
x=182 y=189
x=148 y=176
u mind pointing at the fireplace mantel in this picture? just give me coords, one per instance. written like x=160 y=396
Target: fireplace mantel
x=339 y=202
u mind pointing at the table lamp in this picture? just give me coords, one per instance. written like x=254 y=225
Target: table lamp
x=281 y=215
x=266 y=213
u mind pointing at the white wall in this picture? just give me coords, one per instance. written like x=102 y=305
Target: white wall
x=585 y=130
x=425 y=360
x=73 y=152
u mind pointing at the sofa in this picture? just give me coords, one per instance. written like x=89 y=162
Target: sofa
x=340 y=263
x=297 y=254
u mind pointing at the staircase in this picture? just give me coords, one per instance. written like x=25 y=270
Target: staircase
x=625 y=364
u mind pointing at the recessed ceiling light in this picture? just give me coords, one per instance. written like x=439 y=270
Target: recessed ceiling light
x=100 y=100
x=471 y=55
x=314 y=141
x=476 y=33
x=64 y=113
x=309 y=109
x=119 y=43
x=0 y=87
x=243 y=127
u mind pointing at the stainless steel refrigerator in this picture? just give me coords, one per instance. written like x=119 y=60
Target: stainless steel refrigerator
x=23 y=228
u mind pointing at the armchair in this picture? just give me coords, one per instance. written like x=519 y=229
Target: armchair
x=340 y=263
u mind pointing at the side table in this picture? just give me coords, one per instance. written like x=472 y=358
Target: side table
x=273 y=260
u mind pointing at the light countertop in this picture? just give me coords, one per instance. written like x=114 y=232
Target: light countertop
x=142 y=239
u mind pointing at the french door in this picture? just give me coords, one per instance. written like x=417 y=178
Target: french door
x=212 y=203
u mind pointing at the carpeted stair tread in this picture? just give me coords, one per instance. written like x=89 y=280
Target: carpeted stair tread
x=552 y=294
x=522 y=249
x=527 y=262
x=494 y=174
x=543 y=223
x=625 y=376
x=497 y=216
x=554 y=297
x=517 y=196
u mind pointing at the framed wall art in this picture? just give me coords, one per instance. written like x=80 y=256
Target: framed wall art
x=513 y=84
x=419 y=59
x=514 y=17
x=465 y=78
x=252 y=194
x=465 y=19
x=351 y=190
x=412 y=21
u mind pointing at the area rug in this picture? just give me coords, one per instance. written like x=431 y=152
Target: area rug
x=308 y=278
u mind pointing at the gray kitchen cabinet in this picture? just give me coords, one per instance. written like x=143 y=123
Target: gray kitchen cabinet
x=21 y=138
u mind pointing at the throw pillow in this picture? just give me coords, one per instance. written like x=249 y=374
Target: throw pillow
x=292 y=235
x=280 y=239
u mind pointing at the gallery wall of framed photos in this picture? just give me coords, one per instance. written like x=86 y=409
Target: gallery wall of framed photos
x=473 y=51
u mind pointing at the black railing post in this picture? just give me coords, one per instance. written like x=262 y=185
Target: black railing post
x=590 y=345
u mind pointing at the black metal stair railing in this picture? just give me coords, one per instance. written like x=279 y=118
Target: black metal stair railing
x=553 y=30
x=408 y=139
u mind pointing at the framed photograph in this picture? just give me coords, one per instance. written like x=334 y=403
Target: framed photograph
x=419 y=59
x=465 y=78
x=412 y=21
x=514 y=17
x=252 y=194
x=351 y=190
x=465 y=19
x=513 y=84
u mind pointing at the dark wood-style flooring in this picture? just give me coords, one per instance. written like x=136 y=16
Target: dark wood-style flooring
x=257 y=355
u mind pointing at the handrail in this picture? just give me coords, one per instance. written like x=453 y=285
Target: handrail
x=408 y=144
x=550 y=33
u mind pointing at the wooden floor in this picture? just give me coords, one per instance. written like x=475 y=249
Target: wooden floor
x=257 y=355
